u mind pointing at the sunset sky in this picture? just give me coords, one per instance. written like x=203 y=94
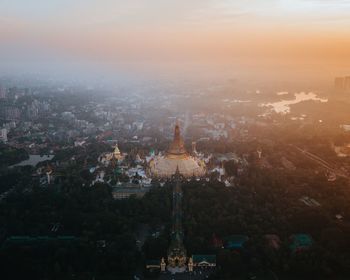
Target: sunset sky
x=119 y=30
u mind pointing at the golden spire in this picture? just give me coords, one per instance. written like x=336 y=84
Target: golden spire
x=177 y=147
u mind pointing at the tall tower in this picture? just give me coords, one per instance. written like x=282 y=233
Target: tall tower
x=177 y=252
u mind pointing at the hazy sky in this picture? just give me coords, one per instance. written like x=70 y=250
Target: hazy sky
x=160 y=30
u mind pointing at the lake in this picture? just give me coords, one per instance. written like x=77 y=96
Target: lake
x=283 y=106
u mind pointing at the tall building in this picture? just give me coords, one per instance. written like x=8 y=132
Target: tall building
x=339 y=83
x=342 y=89
x=2 y=92
x=9 y=112
x=342 y=84
x=175 y=158
x=347 y=83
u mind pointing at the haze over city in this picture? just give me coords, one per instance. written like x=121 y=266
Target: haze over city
x=271 y=35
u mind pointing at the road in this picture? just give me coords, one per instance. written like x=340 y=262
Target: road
x=324 y=163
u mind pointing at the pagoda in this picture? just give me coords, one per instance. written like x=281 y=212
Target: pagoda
x=176 y=157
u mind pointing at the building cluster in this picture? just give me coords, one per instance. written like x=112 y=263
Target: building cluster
x=46 y=121
x=342 y=89
x=342 y=83
x=121 y=141
x=41 y=119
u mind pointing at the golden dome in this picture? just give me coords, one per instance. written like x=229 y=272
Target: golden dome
x=176 y=157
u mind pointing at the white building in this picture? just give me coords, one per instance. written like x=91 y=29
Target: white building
x=3 y=135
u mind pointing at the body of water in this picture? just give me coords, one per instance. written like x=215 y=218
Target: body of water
x=283 y=106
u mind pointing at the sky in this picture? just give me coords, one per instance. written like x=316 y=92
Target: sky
x=282 y=31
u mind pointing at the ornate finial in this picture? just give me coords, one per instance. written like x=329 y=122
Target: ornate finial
x=177 y=147
x=177 y=130
x=177 y=172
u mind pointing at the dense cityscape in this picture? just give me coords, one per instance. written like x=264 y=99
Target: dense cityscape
x=175 y=140
x=85 y=194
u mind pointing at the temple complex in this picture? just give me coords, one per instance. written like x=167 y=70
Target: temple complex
x=112 y=157
x=176 y=157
